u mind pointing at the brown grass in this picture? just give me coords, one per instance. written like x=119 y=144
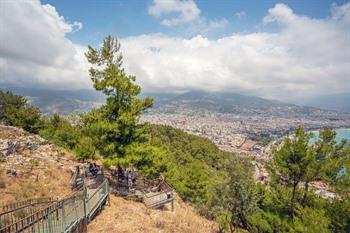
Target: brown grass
x=125 y=216
x=38 y=182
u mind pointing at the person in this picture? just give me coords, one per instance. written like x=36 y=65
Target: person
x=91 y=168
x=77 y=170
x=130 y=180
x=161 y=182
x=120 y=173
x=94 y=169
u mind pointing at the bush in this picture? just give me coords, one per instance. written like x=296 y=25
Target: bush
x=266 y=222
x=60 y=131
x=338 y=211
x=85 y=149
x=15 y=111
x=311 y=221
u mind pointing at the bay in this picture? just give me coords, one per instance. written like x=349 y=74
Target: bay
x=341 y=134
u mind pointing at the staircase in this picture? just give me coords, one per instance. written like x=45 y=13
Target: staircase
x=72 y=213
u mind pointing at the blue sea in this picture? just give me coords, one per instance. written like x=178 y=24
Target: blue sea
x=341 y=134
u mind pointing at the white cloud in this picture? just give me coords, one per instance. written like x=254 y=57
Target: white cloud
x=184 y=12
x=304 y=57
x=34 y=49
x=240 y=14
x=180 y=11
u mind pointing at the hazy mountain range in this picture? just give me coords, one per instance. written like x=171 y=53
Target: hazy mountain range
x=63 y=102
x=221 y=102
x=338 y=102
x=66 y=102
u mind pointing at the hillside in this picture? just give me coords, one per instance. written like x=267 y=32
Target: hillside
x=193 y=165
x=131 y=217
x=233 y=103
x=31 y=167
x=63 y=102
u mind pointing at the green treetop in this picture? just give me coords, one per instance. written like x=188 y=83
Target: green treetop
x=15 y=110
x=292 y=160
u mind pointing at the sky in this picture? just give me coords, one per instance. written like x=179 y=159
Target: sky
x=283 y=50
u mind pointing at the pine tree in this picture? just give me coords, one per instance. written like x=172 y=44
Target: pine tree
x=292 y=160
x=115 y=126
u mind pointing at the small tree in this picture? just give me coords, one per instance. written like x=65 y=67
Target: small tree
x=15 y=111
x=60 y=131
x=327 y=160
x=237 y=197
x=291 y=161
x=85 y=150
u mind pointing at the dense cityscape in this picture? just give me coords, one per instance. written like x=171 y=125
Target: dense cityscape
x=251 y=131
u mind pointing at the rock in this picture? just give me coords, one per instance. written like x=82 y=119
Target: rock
x=11 y=172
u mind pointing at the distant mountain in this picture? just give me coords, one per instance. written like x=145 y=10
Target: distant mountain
x=212 y=101
x=221 y=102
x=338 y=102
x=64 y=102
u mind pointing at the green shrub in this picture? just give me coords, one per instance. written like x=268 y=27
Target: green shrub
x=85 y=149
x=15 y=111
x=60 y=131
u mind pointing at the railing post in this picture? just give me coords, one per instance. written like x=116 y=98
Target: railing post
x=49 y=217
x=63 y=216
x=86 y=202
x=75 y=206
x=108 y=198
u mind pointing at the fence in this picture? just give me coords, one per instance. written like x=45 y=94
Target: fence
x=70 y=214
x=13 y=212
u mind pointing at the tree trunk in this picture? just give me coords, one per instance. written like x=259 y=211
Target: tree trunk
x=305 y=194
x=293 y=200
x=232 y=230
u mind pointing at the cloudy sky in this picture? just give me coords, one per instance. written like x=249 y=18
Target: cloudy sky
x=277 y=49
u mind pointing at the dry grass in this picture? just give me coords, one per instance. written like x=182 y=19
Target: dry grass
x=38 y=182
x=125 y=216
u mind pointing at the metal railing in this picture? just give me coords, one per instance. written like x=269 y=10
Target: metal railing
x=13 y=212
x=152 y=195
x=70 y=214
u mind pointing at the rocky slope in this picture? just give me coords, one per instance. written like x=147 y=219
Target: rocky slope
x=30 y=167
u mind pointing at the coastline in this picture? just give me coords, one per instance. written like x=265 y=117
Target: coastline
x=339 y=137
